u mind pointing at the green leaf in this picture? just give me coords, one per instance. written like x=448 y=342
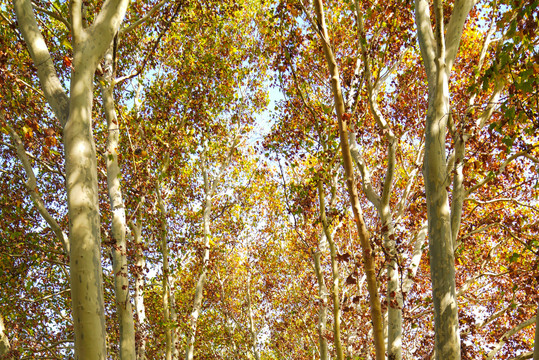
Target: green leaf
x=514 y=257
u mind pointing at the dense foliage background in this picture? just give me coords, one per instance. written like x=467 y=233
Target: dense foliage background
x=227 y=141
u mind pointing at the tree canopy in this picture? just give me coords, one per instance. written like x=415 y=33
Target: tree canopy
x=254 y=179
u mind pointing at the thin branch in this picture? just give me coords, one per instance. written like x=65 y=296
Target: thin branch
x=492 y=176
x=31 y=185
x=152 y=51
x=507 y=335
x=46 y=297
x=514 y=201
x=143 y=19
x=54 y=15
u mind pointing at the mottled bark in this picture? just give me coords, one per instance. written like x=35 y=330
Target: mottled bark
x=75 y=115
x=252 y=329
x=140 y=309
x=4 y=341
x=335 y=289
x=439 y=49
x=210 y=186
x=323 y=306
x=368 y=258
x=118 y=223
x=166 y=271
x=536 y=345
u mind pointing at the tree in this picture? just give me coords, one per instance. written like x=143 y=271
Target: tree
x=376 y=313
x=439 y=50
x=74 y=113
x=275 y=245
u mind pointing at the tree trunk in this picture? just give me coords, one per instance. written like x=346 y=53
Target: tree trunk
x=4 y=341
x=119 y=226
x=165 y=280
x=322 y=312
x=209 y=189
x=140 y=309
x=335 y=273
x=197 y=302
x=252 y=329
x=84 y=220
x=439 y=50
x=89 y=45
x=536 y=345
x=368 y=258
x=228 y=317
x=394 y=293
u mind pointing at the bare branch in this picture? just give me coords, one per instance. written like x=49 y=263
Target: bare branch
x=514 y=201
x=45 y=297
x=152 y=51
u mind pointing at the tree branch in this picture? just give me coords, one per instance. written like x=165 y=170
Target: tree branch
x=143 y=19
x=54 y=15
x=50 y=83
x=31 y=185
x=461 y=9
x=507 y=335
x=426 y=38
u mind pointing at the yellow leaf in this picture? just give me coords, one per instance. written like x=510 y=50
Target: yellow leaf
x=67 y=44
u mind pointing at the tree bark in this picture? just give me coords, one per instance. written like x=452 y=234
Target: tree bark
x=119 y=226
x=368 y=257
x=166 y=270
x=536 y=345
x=382 y=201
x=322 y=311
x=4 y=341
x=439 y=50
x=210 y=186
x=140 y=309
x=31 y=186
x=228 y=317
x=75 y=115
x=252 y=329
x=197 y=302
x=335 y=274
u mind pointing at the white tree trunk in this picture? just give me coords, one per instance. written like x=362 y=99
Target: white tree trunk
x=84 y=220
x=4 y=341
x=536 y=345
x=439 y=49
x=252 y=329
x=228 y=317
x=140 y=310
x=166 y=271
x=335 y=273
x=197 y=302
x=119 y=226
x=209 y=189
x=323 y=307
x=89 y=45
